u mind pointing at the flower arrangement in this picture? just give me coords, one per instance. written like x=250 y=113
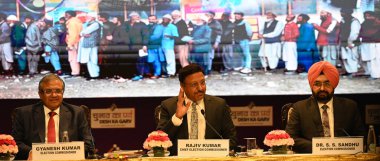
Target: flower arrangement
x=8 y=146
x=279 y=141
x=278 y=138
x=158 y=141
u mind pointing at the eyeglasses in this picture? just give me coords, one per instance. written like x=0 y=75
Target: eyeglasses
x=51 y=91
x=320 y=84
x=196 y=84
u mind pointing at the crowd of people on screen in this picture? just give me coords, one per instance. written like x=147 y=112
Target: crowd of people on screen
x=156 y=45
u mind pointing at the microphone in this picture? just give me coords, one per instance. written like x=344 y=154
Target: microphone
x=344 y=131
x=209 y=125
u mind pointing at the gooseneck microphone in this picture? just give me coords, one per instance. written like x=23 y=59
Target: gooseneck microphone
x=209 y=125
x=344 y=131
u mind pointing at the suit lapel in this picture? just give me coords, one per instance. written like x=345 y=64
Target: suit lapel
x=316 y=116
x=337 y=110
x=185 y=126
x=39 y=116
x=64 y=119
x=208 y=115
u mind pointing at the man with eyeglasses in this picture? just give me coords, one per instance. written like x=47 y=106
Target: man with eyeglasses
x=323 y=114
x=184 y=116
x=46 y=121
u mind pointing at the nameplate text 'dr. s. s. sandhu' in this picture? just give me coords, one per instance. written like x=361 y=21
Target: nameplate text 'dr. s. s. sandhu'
x=337 y=145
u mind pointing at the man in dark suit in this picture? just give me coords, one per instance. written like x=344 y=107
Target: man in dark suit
x=46 y=121
x=323 y=114
x=183 y=117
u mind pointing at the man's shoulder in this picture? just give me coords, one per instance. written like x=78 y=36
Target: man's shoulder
x=215 y=100
x=170 y=100
x=30 y=107
x=345 y=102
x=71 y=107
x=303 y=103
x=172 y=26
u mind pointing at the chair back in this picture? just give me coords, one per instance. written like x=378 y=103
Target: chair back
x=87 y=112
x=285 y=114
x=157 y=112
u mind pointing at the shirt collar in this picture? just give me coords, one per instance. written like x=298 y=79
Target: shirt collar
x=200 y=103
x=329 y=103
x=47 y=110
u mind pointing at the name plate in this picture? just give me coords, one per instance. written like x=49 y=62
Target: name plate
x=58 y=151
x=337 y=145
x=203 y=148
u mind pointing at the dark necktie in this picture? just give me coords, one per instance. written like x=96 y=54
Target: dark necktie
x=194 y=122
x=325 y=121
x=51 y=128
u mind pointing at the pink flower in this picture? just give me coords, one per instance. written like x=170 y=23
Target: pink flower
x=278 y=138
x=157 y=139
x=7 y=144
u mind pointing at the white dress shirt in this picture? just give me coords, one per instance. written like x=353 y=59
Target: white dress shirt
x=201 y=119
x=56 y=122
x=330 y=112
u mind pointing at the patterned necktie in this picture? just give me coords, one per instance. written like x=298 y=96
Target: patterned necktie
x=51 y=128
x=194 y=122
x=325 y=121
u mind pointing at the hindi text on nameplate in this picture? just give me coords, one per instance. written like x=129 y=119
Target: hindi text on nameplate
x=254 y=116
x=58 y=151
x=337 y=145
x=203 y=148
x=117 y=118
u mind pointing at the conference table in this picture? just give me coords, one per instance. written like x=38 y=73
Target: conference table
x=291 y=157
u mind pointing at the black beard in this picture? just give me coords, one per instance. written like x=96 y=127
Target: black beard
x=165 y=23
x=323 y=99
x=323 y=18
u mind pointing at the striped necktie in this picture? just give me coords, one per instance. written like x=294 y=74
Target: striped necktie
x=325 y=121
x=194 y=122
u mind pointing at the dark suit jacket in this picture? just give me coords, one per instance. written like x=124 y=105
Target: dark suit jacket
x=305 y=122
x=217 y=113
x=29 y=127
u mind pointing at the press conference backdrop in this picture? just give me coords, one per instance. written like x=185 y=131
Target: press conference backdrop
x=120 y=60
x=133 y=138
x=262 y=89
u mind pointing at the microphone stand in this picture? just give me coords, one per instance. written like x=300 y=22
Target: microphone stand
x=209 y=125
x=92 y=152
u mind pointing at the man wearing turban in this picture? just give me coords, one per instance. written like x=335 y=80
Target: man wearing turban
x=323 y=114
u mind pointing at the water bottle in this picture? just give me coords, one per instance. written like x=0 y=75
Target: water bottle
x=371 y=140
x=113 y=148
x=65 y=137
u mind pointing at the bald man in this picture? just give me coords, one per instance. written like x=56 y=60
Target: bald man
x=323 y=114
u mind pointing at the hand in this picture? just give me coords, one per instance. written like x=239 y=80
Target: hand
x=350 y=46
x=86 y=35
x=282 y=38
x=30 y=157
x=70 y=48
x=314 y=24
x=181 y=109
x=109 y=37
x=144 y=48
x=190 y=42
x=261 y=36
x=215 y=46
